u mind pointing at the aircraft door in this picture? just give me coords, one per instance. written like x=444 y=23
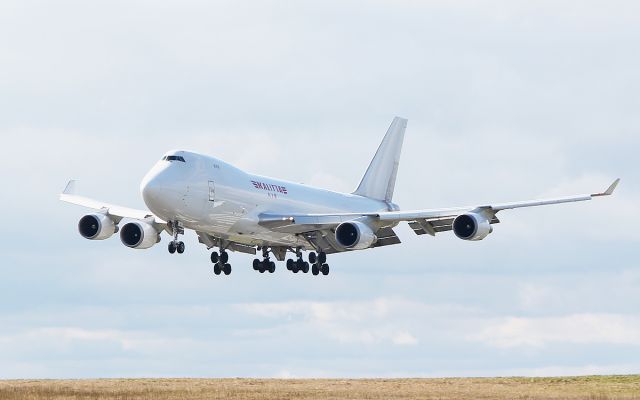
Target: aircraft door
x=212 y=191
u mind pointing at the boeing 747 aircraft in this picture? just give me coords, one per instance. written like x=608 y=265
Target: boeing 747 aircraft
x=232 y=210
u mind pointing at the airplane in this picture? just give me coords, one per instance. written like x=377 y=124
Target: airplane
x=233 y=210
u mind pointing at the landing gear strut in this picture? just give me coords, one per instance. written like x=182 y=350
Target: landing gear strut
x=266 y=264
x=175 y=244
x=299 y=264
x=319 y=263
x=221 y=262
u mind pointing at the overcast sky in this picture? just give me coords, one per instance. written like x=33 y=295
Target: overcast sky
x=505 y=100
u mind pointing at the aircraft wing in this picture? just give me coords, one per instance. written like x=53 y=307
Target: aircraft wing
x=116 y=212
x=421 y=221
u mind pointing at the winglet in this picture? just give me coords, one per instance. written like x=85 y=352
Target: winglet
x=70 y=188
x=609 y=190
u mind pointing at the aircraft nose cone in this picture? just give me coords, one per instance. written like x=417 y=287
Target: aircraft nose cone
x=151 y=188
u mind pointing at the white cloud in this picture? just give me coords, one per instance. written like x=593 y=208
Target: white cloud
x=405 y=339
x=363 y=322
x=66 y=338
x=574 y=329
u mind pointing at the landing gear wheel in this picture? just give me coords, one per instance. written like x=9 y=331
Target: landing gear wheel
x=290 y=264
x=175 y=244
x=215 y=257
x=325 y=269
x=265 y=264
x=224 y=257
x=312 y=258
x=322 y=257
x=296 y=267
x=226 y=269
x=256 y=264
x=217 y=269
x=305 y=267
x=315 y=269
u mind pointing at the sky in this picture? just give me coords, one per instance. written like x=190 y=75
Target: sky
x=506 y=101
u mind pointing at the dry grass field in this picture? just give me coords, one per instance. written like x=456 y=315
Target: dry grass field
x=588 y=387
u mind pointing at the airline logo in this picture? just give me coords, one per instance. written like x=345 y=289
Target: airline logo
x=269 y=187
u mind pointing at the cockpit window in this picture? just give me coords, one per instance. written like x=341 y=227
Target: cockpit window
x=173 y=158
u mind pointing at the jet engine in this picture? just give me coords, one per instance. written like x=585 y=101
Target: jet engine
x=139 y=235
x=97 y=227
x=471 y=226
x=355 y=235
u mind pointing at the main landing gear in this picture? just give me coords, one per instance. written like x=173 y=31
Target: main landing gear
x=318 y=263
x=175 y=244
x=266 y=264
x=299 y=264
x=221 y=262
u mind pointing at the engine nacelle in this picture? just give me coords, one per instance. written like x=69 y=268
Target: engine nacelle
x=471 y=226
x=139 y=235
x=96 y=227
x=355 y=235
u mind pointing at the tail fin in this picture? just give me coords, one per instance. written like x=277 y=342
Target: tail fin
x=380 y=179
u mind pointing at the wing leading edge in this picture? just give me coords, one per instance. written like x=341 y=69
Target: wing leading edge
x=116 y=212
x=429 y=221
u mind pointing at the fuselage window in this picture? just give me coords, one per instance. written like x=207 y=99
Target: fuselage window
x=174 y=158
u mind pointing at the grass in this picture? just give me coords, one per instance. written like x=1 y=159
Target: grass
x=585 y=387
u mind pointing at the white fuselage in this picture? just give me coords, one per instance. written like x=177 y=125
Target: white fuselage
x=208 y=195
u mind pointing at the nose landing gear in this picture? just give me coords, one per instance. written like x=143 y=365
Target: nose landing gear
x=175 y=244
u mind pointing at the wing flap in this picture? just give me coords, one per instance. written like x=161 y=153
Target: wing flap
x=302 y=223
x=386 y=237
x=323 y=241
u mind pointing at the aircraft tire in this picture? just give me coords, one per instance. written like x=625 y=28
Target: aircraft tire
x=290 y=264
x=215 y=257
x=224 y=257
x=171 y=247
x=272 y=267
x=325 y=269
x=322 y=257
x=226 y=269
x=256 y=264
x=217 y=269
x=312 y=258
x=305 y=267
x=180 y=247
x=315 y=269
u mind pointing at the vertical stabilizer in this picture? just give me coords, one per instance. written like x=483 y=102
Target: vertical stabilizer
x=380 y=179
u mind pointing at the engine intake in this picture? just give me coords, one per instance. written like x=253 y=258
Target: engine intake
x=139 y=235
x=471 y=226
x=96 y=227
x=355 y=235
